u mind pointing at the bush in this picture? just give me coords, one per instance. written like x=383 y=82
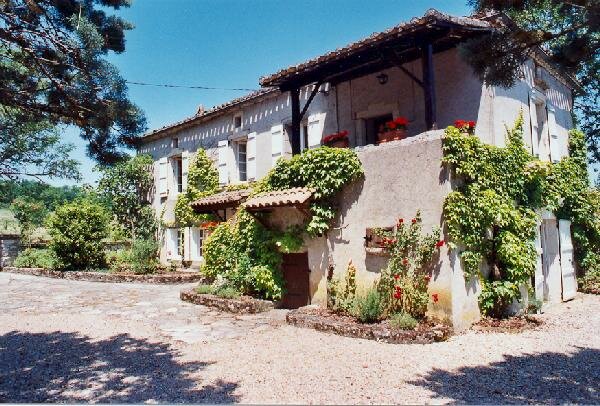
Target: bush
x=367 y=307
x=590 y=283
x=77 y=230
x=227 y=292
x=143 y=256
x=36 y=258
x=403 y=321
x=205 y=289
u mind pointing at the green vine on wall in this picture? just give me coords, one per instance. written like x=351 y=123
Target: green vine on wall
x=202 y=181
x=492 y=214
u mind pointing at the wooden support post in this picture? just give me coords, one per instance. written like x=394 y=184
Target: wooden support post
x=429 y=87
x=295 y=141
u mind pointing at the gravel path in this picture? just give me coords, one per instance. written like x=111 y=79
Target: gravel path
x=68 y=341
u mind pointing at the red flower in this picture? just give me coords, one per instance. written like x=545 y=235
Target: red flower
x=335 y=137
x=414 y=221
x=460 y=123
x=401 y=121
x=439 y=243
x=427 y=278
x=400 y=220
x=397 y=295
x=435 y=297
x=405 y=261
x=471 y=124
x=396 y=276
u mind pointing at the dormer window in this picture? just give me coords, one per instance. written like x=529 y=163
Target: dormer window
x=175 y=143
x=237 y=122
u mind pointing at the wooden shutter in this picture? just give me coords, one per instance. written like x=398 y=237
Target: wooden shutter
x=315 y=130
x=539 y=271
x=185 y=165
x=276 y=143
x=222 y=147
x=555 y=147
x=567 y=267
x=533 y=142
x=171 y=237
x=162 y=186
x=251 y=156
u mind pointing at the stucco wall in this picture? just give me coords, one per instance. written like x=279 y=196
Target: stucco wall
x=400 y=178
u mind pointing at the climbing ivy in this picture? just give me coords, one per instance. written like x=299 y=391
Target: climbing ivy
x=325 y=170
x=203 y=180
x=492 y=216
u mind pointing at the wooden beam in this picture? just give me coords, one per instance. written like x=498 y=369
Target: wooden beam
x=295 y=141
x=429 y=86
x=310 y=99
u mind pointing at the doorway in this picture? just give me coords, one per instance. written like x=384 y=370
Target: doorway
x=296 y=276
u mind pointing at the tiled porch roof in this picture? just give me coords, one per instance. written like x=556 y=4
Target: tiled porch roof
x=279 y=198
x=219 y=201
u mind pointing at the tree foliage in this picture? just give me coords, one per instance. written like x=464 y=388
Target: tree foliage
x=569 y=31
x=29 y=213
x=125 y=189
x=33 y=149
x=50 y=196
x=53 y=70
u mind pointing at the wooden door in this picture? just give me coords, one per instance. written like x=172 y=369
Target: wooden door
x=296 y=274
x=551 y=260
x=569 y=279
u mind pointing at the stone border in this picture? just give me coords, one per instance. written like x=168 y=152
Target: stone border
x=243 y=305
x=346 y=326
x=162 y=278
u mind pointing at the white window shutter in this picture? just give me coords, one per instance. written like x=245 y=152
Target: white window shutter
x=162 y=186
x=276 y=143
x=533 y=143
x=185 y=165
x=251 y=156
x=222 y=147
x=555 y=147
x=315 y=130
x=171 y=237
x=567 y=267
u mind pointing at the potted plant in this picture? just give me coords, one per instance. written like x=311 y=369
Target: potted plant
x=464 y=126
x=393 y=130
x=337 y=140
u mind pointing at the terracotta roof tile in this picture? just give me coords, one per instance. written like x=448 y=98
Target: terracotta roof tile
x=279 y=198
x=220 y=200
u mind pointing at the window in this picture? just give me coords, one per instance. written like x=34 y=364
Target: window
x=175 y=143
x=202 y=236
x=374 y=125
x=180 y=242
x=304 y=136
x=237 y=121
x=242 y=161
x=178 y=173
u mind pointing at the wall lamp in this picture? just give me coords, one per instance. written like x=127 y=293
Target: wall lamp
x=382 y=78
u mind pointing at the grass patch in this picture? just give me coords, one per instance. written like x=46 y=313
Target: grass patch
x=403 y=321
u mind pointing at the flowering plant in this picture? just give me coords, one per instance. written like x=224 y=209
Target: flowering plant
x=339 y=136
x=403 y=283
x=399 y=123
x=209 y=224
x=465 y=126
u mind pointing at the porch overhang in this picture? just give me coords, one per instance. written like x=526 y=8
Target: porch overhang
x=394 y=47
x=220 y=201
x=298 y=198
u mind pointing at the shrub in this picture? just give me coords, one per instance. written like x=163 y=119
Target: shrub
x=78 y=230
x=143 y=257
x=403 y=321
x=340 y=297
x=36 y=258
x=227 y=292
x=205 y=289
x=590 y=282
x=367 y=307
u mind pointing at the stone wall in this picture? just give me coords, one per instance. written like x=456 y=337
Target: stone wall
x=9 y=249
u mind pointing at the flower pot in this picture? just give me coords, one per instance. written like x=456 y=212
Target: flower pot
x=342 y=143
x=391 y=135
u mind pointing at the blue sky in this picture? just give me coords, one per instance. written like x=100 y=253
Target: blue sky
x=231 y=43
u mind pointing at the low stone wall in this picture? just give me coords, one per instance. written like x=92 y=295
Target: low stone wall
x=162 y=278
x=320 y=320
x=244 y=304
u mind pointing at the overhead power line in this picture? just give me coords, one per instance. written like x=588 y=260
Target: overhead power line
x=189 y=87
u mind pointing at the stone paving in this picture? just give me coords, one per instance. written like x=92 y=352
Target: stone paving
x=157 y=306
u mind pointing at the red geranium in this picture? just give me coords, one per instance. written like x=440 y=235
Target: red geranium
x=328 y=139
x=435 y=297
x=396 y=276
x=405 y=261
x=399 y=123
x=440 y=243
x=414 y=221
x=464 y=125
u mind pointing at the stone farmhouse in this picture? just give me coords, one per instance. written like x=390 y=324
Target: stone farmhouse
x=413 y=70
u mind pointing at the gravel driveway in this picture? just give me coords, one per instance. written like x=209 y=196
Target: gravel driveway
x=70 y=341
